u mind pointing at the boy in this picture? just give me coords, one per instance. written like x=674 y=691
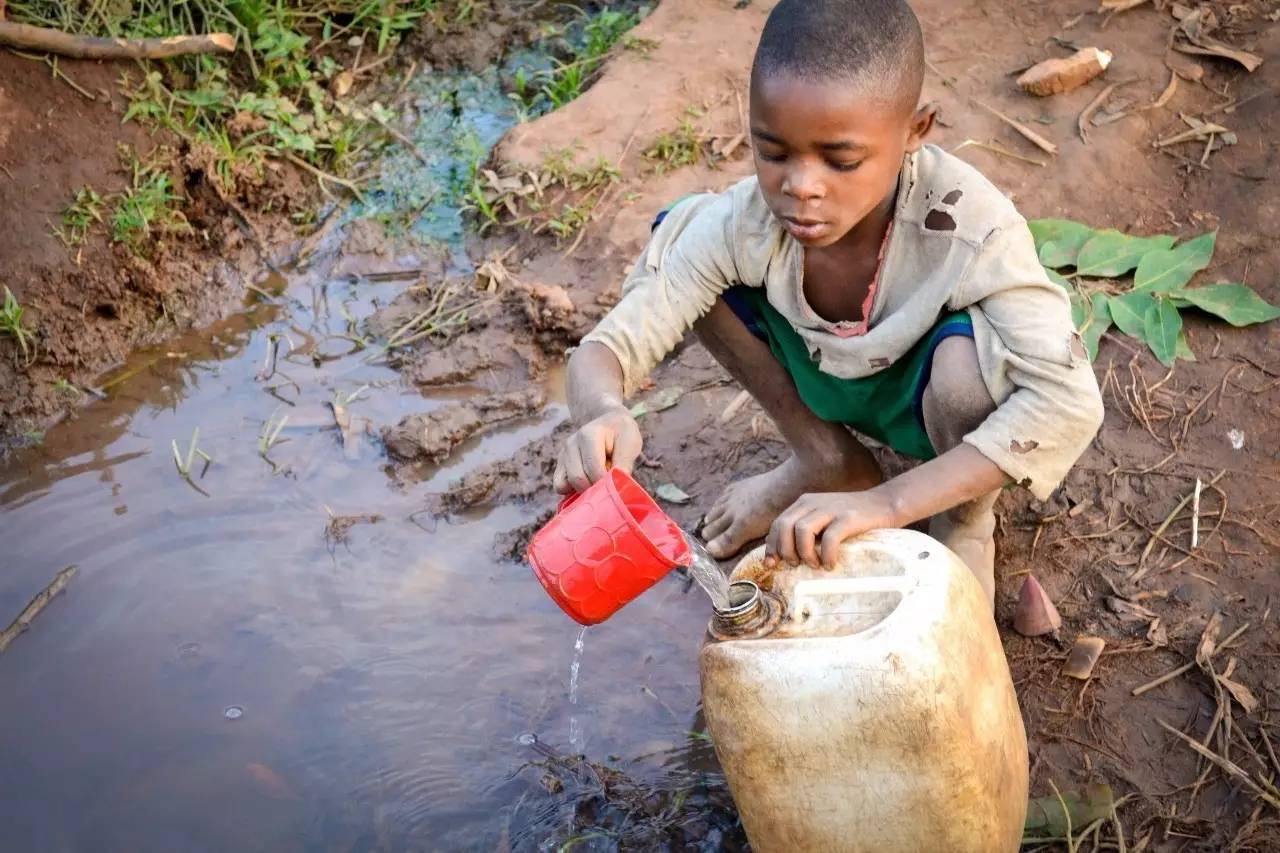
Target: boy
x=860 y=281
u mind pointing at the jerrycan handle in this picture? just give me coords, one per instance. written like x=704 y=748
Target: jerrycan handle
x=820 y=597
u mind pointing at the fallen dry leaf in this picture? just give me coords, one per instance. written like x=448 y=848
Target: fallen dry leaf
x=1083 y=657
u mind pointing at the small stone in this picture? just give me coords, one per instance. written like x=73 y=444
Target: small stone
x=233 y=712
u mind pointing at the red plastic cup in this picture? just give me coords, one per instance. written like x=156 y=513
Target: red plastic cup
x=604 y=547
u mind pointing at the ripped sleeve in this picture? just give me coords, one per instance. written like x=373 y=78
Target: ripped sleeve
x=676 y=280
x=1049 y=405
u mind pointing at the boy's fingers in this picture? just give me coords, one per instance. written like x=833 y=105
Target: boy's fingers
x=627 y=445
x=834 y=536
x=807 y=531
x=593 y=451
x=574 y=471
x=559 y=480
x=781 y=542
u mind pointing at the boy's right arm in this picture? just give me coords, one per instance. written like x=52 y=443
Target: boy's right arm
x=607 y=435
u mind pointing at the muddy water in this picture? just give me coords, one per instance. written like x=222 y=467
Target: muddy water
x=386 y=684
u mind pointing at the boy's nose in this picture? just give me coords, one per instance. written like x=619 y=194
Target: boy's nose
x=802 y=184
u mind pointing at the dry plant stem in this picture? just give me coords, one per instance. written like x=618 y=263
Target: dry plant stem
x=1031 y=136
x=92 y=47
x=58 y=73
x=1000 y=150
x=1230 y=767
x=40 y=602
x=1169 y=520
x=1187 y=667
x=324 y=176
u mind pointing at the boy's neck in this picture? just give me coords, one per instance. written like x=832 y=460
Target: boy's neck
x=868 y=234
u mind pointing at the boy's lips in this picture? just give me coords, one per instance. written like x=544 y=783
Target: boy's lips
x=805 y=229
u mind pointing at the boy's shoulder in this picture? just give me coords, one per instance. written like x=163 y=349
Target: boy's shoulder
x=943 y=195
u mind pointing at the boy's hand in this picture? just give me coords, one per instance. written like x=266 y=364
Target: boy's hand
x=812 y=529
x=611 y=440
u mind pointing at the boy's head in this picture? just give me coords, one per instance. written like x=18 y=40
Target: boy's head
x=834 y=91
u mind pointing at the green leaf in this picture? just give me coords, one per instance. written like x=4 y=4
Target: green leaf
x=1162 y=325
x=1183 y=350
x=1110 y=253
x=1046 y=817
x=658 y=401
x=1165 y=270
x=1099 y=322
x=1079 y=310
x=1058 y=280
x=1058 y=241
x=1128 y=312
x=672 y=494
x=1233 y=302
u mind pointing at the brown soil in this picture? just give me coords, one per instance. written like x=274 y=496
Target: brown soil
x=1161 y=433
x=88 y=306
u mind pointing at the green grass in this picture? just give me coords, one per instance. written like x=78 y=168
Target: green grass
x=676 y=148
x=587 y=42
x=84 y=210
x=11 y=325
x=147 y=208
x=271 y=98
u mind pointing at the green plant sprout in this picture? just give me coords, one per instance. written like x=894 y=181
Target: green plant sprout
x=11 y=325
x=184 y=463
x=269 y=437
x=84 y=210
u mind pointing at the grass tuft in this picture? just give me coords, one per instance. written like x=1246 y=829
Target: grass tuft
x=11 y=325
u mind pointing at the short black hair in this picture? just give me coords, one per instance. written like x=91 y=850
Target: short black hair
x=874 y=42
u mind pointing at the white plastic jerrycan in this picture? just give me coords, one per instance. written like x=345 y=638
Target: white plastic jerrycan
x=867 y=708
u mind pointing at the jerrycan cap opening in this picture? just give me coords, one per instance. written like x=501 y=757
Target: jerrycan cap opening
x=751 y=613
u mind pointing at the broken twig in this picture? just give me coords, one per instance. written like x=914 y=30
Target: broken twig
x=93 y=47
x=40 y=602
x=1029 y=134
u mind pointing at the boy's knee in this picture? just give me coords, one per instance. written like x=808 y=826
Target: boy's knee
x=956 y=400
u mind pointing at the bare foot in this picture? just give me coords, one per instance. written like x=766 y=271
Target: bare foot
x=747 y=508
x=969 y=532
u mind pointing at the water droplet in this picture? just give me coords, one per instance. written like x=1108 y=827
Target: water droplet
x=233 y=712
x=526 y=738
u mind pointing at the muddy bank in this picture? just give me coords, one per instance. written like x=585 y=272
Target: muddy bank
x=88 y=305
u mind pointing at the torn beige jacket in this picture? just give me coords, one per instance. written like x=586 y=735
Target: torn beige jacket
x=957 y=243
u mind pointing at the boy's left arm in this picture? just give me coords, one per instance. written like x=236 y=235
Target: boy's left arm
x=1049 y=410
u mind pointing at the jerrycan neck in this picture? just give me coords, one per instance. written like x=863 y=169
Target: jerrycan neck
x=751 y=613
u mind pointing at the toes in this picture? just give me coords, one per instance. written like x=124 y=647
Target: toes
x=727 y=543
x=713 y=529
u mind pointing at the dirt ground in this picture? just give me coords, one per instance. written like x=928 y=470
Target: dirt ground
x=1162 y=432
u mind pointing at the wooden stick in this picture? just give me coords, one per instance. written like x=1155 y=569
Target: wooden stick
x=93 y=47
x=1146 y=552
x=1195 y=515
x=1187 y=667
x=1230 y=767
x=1031 y=136
x=40 y=602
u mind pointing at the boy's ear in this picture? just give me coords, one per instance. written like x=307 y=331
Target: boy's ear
x=921 y=124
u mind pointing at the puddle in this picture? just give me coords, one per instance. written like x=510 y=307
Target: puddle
x=216 y=651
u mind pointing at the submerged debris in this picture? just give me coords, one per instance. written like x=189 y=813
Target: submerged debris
x=433 y=436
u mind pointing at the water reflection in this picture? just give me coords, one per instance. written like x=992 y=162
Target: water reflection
x=381 y=685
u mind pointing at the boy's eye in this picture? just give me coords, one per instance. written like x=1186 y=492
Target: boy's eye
x=846 y=167
x=772 y=156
